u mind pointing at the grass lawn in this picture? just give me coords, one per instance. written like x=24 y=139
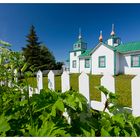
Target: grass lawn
x=122 y=84
x=74 y=82
x=123 y=89
x=94 y=82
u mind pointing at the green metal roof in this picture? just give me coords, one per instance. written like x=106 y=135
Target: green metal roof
x=86 y=53
x=128 y=47
x=77 y=50
x=113 y=36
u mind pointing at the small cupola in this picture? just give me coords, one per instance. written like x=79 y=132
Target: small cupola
x=80 y=44
x=113 y=40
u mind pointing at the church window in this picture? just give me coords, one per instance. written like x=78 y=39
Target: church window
x=74 y=53
x=74 y=64
x=135 y=61
x=87 y=63
x=102 y=61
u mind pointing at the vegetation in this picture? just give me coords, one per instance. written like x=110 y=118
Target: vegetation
x=43 y=115
x=54 y=113
x=123 y=89
x=38 y=55
x=94 y=81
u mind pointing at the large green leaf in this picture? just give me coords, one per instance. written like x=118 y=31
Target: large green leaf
x=104 y=133
x=4 y=125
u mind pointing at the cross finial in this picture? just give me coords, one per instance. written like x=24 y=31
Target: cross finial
x=112 y=32
x=100 y=37
x=80 y=35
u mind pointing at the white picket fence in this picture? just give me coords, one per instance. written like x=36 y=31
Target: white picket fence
x=107 y=81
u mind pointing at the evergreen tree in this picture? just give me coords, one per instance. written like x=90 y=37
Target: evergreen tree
x=37 y=55
x=47 y=60
x=32 y=49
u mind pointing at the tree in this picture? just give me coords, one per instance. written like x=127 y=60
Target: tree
x=32 y=49
x=37 y=55
x=59 y=65
x=47 y=60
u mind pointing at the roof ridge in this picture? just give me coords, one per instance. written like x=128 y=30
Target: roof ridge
x=130 y=42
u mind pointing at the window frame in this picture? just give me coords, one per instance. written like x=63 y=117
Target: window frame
x=99 y=61
x=133 y=62
x=73 y=66
x=74 y=53
x=86 y=63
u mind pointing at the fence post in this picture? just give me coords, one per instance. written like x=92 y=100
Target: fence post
x=84 y=85
x=39 y=80
x=65 y=81
x=30 y=91
x=108 y=82
x=51 y=81
x=135 y=87
x=16 y=75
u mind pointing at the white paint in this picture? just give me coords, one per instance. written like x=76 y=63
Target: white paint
x=117 y=63
x=16 y=75
x=51 y=80
x=39 y=80
x=10 y=83
x=65 y=81
x=66 y=115
x=72 y=57
x=30 y=91
x=82 y=66
x=110 y=42
x=125 y=64
x=97 y=105
x=108 y=81
x=135 y=85
x=102 y=50
x=84 y=85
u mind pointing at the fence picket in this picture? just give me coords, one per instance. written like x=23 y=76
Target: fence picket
x=135 y=86
x=84 y=85
x=51 y=81
x=39 y=80
x=65 y=81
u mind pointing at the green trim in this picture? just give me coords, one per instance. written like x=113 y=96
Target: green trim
x=106 y=45
x=115 y=62
x=91 y=65
x=85 y=63
x=77 y=50
x=132 y=61
x=79 y=66
x=104 y=61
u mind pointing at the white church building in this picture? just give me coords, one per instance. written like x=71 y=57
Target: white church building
x=111 y=56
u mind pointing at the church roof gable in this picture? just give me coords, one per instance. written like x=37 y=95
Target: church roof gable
x=101 y=43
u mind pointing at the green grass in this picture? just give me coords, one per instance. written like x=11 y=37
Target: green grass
x=74 y=82
x=58 y=82
x=94 y=81
x=45 y=82
x=123 y=89
x=122 y=85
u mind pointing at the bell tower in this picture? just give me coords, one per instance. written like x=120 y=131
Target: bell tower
x=113 y=40
x=80 y=44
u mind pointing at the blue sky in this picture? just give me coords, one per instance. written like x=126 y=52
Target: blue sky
x=57 y=25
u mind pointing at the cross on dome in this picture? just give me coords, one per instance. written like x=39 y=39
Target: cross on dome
x=80 y=35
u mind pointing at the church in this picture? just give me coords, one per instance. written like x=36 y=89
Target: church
x=107 y=57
